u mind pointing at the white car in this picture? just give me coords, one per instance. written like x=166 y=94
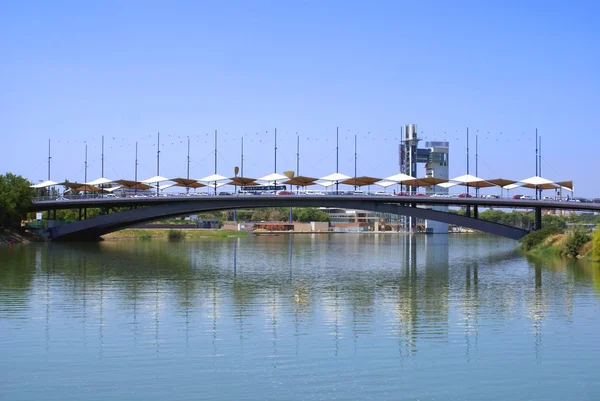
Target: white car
x=383 y=193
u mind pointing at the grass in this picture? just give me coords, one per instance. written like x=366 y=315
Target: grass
x=163 y=233
x=176 y=235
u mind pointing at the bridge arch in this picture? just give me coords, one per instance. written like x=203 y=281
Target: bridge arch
x=92 y=229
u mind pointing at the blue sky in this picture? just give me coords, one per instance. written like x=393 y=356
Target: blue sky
x=74 y=71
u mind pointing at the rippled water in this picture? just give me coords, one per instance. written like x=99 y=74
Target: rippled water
x=303 y=317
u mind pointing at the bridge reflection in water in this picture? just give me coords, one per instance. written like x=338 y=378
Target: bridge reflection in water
x=347 y=284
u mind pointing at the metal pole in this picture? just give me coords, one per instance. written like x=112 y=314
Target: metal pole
x=275 y=171
x=536 y=160
x=355 y=162
x=215 y=160
x=477 y=164
x=467 y=157
x=136 y=167
x=102 y=185
x=297 y=157
x=337 y=150
x=85 y=172
x=49 y=158
x=187 y=186
x=242 y=156
x=158 y=163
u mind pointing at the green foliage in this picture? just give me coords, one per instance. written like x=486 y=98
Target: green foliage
x=15 y=197
x=575 y=241
x=176 y=235
x=549 y=220
x=515 y=219
x=308 y=214
x=595 y=255
x=145 y=237
x=537 y=237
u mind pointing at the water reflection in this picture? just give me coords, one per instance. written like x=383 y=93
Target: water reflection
x=414 y=289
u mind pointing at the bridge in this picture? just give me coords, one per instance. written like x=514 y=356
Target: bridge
x=142 y=210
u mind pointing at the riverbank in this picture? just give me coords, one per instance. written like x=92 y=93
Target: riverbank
x=163 y=233
x=558 y=245
x=10 y=236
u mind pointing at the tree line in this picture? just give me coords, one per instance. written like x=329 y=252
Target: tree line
x=16 y=196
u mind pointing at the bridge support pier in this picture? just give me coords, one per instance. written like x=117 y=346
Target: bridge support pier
x=468 y=210
x=538 y=218
x=80 y=211
x=475 y=212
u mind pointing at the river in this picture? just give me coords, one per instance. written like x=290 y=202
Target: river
x=304 y=317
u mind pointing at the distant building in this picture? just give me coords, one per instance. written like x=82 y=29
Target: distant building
x=437 y=166
x=436 y=157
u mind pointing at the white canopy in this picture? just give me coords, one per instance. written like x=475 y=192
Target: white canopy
x=512 y=186
x=537 y=181
x=161 y=187
x=45 y=184
x=467 y=178
x=273 y=177
x=335 y=177
x=213 y=178
x=99 y=181
x=385 y=184
x=448 y=184
x=111 y=189
x=155 y=179
x=400 y=177
x=325 y=183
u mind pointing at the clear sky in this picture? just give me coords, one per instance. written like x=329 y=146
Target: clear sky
x=73 y=71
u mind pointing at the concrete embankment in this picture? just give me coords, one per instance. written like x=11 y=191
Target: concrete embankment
x=9 y=236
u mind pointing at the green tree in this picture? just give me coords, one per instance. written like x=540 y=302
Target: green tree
x=596 y=245
x=310 y=214
x=16 y=195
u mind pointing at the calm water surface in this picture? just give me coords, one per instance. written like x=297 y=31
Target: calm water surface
x=344 y=317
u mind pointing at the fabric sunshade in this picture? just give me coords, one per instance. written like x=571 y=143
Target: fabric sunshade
x=386 y=184
x=424 y=182
x=360 y=181
x=133 y=184
x=273 y=177
x=213 y=177
x=335 y=177
x=45 y=184
x=400 y=178
x=99 y=181
x=301 y=181
x=186 y=182
x=242 y=181
x=501 y=182
x=565 y=184
x=155 y=179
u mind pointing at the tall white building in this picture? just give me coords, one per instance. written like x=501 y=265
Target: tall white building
x=437 y=166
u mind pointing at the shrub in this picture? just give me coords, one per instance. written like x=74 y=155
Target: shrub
x=537 y=237
x=596 y=245
x=145 y=237
x=575 y=241
x=175 y=235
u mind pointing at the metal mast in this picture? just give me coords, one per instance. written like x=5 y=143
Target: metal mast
x=242 y=170
x=467 y=156
x=136 y=166
x=536 y=160
x=49 y=158
x=215 y=160
x=337 y=149
x=355 y=159
x=477 y=164
x=157 y=162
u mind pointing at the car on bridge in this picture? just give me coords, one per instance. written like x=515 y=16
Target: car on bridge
x=465 y=196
